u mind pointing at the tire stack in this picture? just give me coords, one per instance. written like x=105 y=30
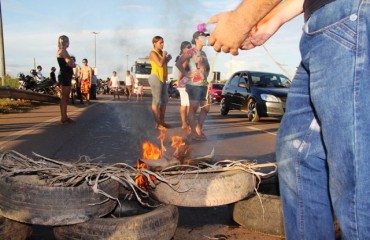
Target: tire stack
x=78 y=212
x=25 y=200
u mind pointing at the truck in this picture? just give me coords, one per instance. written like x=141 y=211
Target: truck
x=141 y=71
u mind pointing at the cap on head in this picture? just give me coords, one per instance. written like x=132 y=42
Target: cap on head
x=196 y=35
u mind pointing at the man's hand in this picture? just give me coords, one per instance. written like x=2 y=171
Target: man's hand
x=233 y=27
x=227 y=35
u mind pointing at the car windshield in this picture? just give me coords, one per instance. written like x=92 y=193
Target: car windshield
x=217 y=86
x=270 y=80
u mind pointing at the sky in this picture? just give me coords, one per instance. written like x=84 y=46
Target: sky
x=124 y=32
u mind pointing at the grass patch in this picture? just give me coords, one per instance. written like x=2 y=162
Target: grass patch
x=14 y=106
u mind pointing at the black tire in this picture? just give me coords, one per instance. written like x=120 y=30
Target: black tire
x=249 y=214
x=252 y=113
x=12 y=230
x=224 y=110
x=132 y=221
x=24 y=199
x=205 y=189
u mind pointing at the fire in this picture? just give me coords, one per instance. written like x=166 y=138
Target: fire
x=181 y=149
x=152 y=152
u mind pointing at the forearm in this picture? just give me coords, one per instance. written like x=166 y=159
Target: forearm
x=252 y=11
x=285 y=11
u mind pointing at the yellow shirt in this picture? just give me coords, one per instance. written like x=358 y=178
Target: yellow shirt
x=160 y=72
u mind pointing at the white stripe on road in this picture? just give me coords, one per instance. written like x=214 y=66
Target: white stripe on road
x=258 y=129
x=5 y=140
x=16 y=135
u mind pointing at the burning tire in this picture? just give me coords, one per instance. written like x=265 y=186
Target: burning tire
x=261 y=213
x=13 y=230
x=27 y=199
x=205 y=189
x=132 y=221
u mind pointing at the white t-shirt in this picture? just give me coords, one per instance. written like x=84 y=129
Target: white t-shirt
x=115 y=81
x=129 y=80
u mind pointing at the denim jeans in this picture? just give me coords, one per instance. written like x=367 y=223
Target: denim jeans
x=323 y=144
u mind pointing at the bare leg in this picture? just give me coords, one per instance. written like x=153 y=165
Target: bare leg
x=202 y=117
x=162 y=112
x=192 y=112
x=64 y=102
x=183 y=115
x=155 y=111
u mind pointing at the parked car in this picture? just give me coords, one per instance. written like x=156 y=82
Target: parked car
x=259 y=94
x=215 y=91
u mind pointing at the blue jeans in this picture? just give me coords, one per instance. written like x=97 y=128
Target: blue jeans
x=323 y=144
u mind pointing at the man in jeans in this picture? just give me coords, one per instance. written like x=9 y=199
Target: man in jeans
x=322 y=146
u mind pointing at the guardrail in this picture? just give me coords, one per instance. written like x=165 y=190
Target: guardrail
x=8 y=92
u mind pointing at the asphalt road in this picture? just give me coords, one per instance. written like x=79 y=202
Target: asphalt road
x=113 y=131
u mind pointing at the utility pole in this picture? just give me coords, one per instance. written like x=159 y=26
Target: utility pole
x=95 y=33
x=2 y=54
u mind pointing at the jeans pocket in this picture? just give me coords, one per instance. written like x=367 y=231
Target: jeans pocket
x=343 y=32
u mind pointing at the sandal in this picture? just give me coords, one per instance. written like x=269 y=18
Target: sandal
x=68 y=120
x=164 y=125
x=187 y=129
x=160 y=127
x=195 y=137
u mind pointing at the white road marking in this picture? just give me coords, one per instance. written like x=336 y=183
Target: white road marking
x=5 y=140
x=258 y=129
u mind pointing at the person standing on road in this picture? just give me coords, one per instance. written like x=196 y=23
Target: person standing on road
x=139 y=92
x=114 y=85
x=157 y=81
x=197 y=85
x=181 y=83
x=76 y=78
x=129 y=80
x=86 y=79
x=53 y=78
x=66 y=64
x=94 y=82
x=322 y=153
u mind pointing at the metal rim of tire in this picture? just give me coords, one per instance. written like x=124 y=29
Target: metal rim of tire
x=134 y=222
x=205 y=189
x=22 y=201
x=252 y=111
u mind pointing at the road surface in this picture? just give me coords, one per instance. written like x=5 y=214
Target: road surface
x=113 y=131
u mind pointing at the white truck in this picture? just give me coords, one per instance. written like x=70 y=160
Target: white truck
x=141 y=71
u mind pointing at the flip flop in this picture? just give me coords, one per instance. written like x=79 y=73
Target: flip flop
x=194 y=137
x=68 y=120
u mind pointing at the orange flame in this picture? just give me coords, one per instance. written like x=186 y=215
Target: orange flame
x=151 y=152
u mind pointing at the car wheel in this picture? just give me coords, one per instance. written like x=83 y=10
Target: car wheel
x=224 y=110
x=252 y=111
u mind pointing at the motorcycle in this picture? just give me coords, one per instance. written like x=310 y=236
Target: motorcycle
x=45 y=87
x=26 y=82
x=102 y=88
